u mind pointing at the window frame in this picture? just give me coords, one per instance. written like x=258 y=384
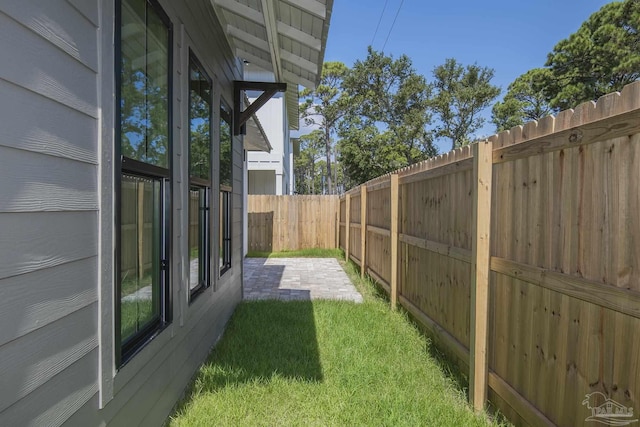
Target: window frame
x=124 y=352
x=201 y=183
x=225 y=195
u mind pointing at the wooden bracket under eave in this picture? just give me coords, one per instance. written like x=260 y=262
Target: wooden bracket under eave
x=268 y=90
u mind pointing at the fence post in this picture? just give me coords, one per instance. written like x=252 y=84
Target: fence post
x=480 y=271
x=347 y=228
x=394 y=240
x=363 y=230
x=337 y=213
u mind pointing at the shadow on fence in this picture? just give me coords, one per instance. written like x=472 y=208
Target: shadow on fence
x=260 y=231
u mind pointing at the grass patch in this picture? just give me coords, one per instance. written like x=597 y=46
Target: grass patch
x=324 y=363
x=301 y=253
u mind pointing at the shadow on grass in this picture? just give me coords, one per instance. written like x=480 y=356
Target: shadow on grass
x=263 y=339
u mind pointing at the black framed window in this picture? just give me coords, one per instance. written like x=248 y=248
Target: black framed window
x=226 y=187
x=143 y=70
x=200 y=98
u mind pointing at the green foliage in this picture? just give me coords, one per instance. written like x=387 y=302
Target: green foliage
x=461 y=93
x=601 y=57
x=312 y=147
x=384 y=127
x=525 y=100
x=324 y=108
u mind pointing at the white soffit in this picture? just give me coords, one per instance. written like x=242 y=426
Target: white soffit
x=285 y=37
x=256 y=139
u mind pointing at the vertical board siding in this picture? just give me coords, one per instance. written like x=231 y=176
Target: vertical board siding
x=278 y=223
x=564 y=288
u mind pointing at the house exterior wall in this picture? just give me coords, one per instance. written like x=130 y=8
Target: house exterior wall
x=262 y=182
x=273 y=117
x=57 y=282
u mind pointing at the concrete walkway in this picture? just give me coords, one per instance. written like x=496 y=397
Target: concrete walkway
x=297 y=279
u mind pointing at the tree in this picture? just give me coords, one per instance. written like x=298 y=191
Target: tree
x=312 y=147
x=384 y=127
x=601 y=57
x=525 y=100
x=324 y=107
x=461 y=93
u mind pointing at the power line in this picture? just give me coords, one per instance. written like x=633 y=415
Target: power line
x=379 y=21
x=394 y=23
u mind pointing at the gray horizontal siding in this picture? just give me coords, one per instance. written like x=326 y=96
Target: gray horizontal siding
x=31 y=182
x=77 y=40
x=88 y=9
x=48 y=210
x=34 y=359
x=31 y=301
x=38 y=65
x=33 y=241
x=58 y=398
x=147 y=399
x=58 y=131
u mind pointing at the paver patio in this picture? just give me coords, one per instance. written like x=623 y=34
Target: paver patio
x=293 y=279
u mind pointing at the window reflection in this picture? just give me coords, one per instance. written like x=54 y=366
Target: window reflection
x=198 y=237
x=225 y=146
x=200 y=89
x=226 y=182
x=139 y=246
x=200 y=122
x=144 y=85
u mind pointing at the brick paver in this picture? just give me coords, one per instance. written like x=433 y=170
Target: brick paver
x=297 y=279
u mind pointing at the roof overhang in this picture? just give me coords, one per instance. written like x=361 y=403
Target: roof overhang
x=284 y=37
x=256 y=138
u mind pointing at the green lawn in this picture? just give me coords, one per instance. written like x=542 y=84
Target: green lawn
x=323 y=363
x=302 y=253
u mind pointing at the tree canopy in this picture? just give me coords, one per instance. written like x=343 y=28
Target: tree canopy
x=461 y=93
x=525 y=100
x=601 y=57
x=384 y=127
x=312 y=148
x=324 y=107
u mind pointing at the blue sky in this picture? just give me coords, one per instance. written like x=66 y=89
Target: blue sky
x=509 y=36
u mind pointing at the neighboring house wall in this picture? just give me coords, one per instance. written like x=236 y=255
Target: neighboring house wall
x=262 y=182
x=273 y=117
x=57 y=219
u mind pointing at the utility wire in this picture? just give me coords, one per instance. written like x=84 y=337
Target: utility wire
x=379 y=21
x=394 y=23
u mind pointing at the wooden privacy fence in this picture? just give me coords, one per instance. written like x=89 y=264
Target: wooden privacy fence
x=521 y=256
x=278 y=223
